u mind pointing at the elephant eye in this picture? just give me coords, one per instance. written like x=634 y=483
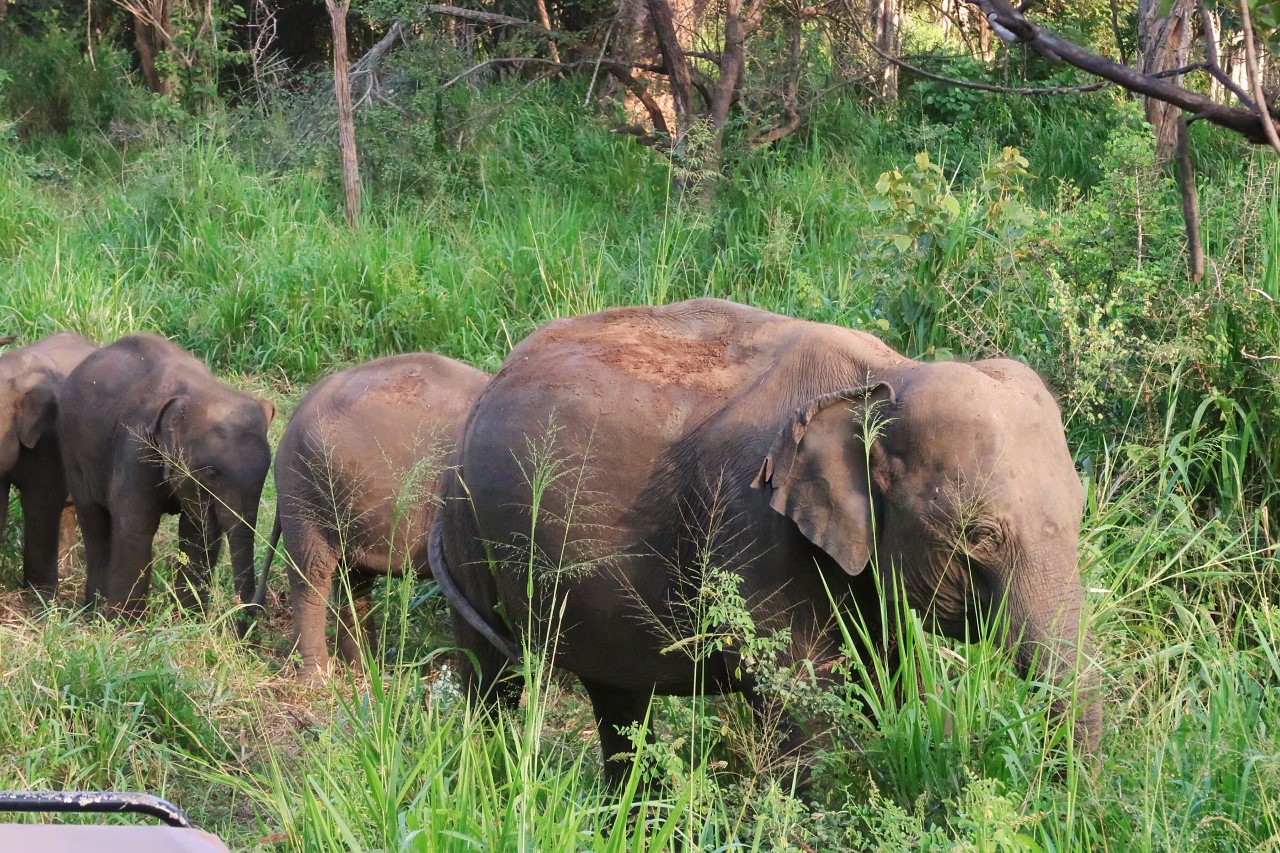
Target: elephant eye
x=982 y=535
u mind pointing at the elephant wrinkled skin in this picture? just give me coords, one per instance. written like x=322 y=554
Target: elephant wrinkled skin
x=357 y=474
x=31 y=380
x=148 y=431
x=657 y=443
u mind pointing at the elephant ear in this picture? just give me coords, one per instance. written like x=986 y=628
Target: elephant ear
x=37 y=408
x=165 y=427
x=819 y=476
x=268 y=408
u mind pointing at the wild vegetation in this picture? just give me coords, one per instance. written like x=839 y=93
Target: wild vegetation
x=951 y=223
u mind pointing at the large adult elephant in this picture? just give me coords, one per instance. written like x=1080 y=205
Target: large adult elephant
x=357 y=474
x=621 y=455
x=31 y=380
x=147 y=431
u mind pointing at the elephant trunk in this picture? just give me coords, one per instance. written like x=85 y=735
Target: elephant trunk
x=241 y=528
x=1049 y=638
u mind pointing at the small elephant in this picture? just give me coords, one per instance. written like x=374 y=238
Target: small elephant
x=356 y=479
x=31 y=380
x=618 y=459
x=147 y=431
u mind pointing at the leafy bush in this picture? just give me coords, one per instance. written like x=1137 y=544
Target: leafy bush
x=55 y=87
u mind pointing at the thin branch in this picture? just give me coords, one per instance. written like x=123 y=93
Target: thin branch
x=1119 y=37
x=620 y=70
x=595 y=71
x=969 y=84
x=491 y=18
x=1214 y=64
x=1002 y=90
x=1251 y=63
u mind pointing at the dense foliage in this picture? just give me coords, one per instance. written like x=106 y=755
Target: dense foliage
x=952 y=224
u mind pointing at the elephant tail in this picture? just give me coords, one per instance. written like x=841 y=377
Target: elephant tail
x=260 y=596
x=458 y=600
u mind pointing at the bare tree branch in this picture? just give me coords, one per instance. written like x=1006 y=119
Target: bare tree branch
x=484 y=17
x=1012 y=26
x=1214 y=66
x=365 y=67
x=1190 y=202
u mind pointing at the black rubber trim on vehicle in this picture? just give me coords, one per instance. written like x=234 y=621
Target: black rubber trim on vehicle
x=104 y=802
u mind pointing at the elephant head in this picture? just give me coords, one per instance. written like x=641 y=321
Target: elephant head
x=957 y=479
x=215 y=456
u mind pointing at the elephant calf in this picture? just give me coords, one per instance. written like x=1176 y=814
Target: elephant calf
x=31 y=383
x=147 y=431
x=356 y=478
x=618 y=458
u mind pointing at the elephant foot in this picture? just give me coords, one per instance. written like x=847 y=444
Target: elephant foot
x=47 y=594
x=127 y=612
x=313 y=673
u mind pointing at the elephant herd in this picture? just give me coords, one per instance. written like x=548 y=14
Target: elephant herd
x=581 y=500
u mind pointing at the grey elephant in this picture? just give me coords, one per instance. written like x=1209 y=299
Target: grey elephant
x=356 y=481
x=621 y=457
x=147 y=431
x=31 y=383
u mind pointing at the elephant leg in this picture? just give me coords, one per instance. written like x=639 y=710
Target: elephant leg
x=200 y=540
x=41 y=512
x=4 y=507
x=311 y=564
x=355 y=621
x=95 y=529
x=616 y=708
x=67 y=532
x=128 y=575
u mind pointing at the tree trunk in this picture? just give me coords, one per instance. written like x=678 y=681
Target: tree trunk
x=1165 y=42
x=346 y=118
x=676 y=63
x=885 y=28
x=545 y=20
x=148 y=44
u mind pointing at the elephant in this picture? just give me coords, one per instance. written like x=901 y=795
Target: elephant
x=618 y=459
x=356 y=474
x=148 y=431
x=31 y=383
